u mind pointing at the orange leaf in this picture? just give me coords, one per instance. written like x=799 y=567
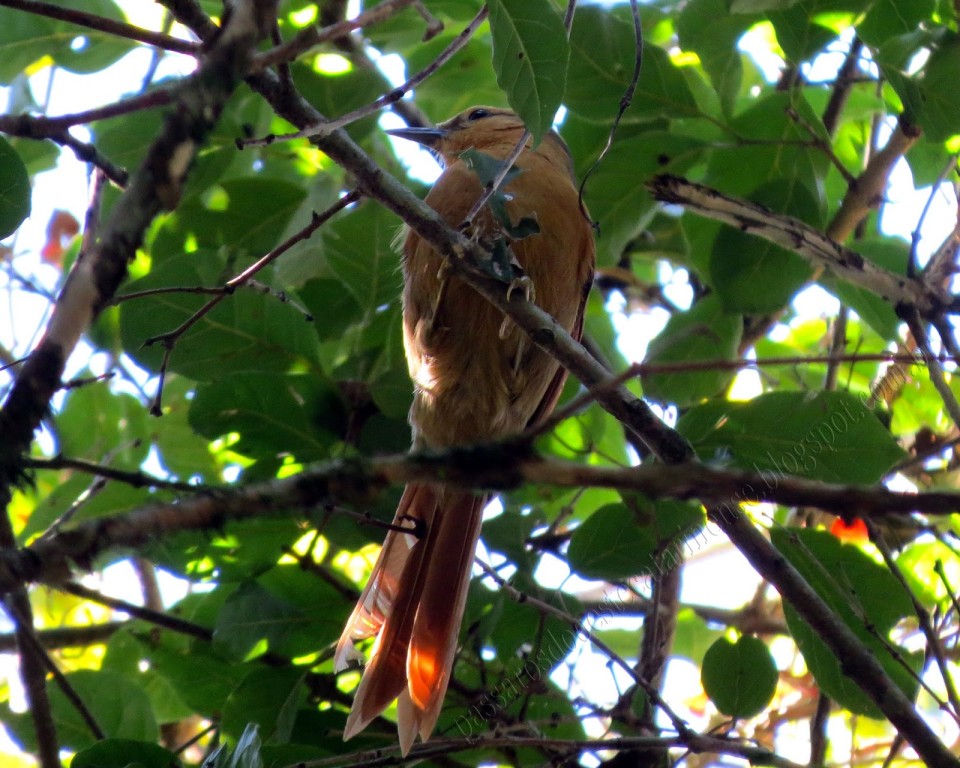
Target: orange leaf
x=853 y=533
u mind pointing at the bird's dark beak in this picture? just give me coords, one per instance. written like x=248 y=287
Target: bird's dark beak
x=428 y=137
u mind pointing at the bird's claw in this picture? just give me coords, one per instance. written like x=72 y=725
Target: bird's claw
x=522 y=283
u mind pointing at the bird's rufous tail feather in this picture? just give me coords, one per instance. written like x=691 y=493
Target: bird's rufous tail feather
x=414 y=604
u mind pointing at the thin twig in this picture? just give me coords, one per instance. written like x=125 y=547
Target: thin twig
x=307 y=38
x=28 y=633
x=625 y=101
x=170 y=338
x=934 y=369
x=923 y=618
x=101 y=24
x=23 y=126
x=846 y=77
x=39 y=126
x=157 y=618
x=679 y=725
x=135 y=479
x=327 y=127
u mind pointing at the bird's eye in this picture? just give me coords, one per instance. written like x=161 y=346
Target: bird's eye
x=478 y=114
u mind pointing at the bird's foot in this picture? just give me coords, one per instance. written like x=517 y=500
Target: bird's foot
x=524 y=284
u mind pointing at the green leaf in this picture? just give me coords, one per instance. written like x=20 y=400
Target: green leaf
x=616 y=194
x=182 y=452
x=939 y=115
x=359 y=249
x=740 y=678
x=756 y=6
x=23 y=40
x=891 y=253
x=752 y=275
x=508 y=533
x=202 y=679
x=333 y=309
x=887 y=18
x=612 y=545
x=254 y=620
x=323 y=609
x=864 y=595
x=801 y=27
x=124 y=753
x=244 y=214
x=125 y=140
x=694 y=636
x=26 y=37
x=706 y=27
x=297 y=414
x=602 y=58
x=120 y=708
x=530 y=54
x=829 y=436
x=125 y=654
x=268 y=698
x=780 y=157
x=112 y=499
x=246 y=331
x=97 y=423
x=704 y=333
x=337 y=94
x=463 y=82
x=14 y=189
x=84 y=50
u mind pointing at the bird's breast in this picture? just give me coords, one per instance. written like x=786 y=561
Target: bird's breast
x=476 y=377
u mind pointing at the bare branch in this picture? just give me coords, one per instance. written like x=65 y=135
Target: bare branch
x=98 y=272
x=312 y=36
x=859 y=664
x=170 y=339
x=325 y=127
x=813 y=246
x=101 y=24
x=866 y=192
x=66 y=637
x=68 y=690
x=498 y=466
x=134 y=479
x=41 y=127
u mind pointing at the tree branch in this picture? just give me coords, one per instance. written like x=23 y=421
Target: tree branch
x=857 y=661
x=691 y=742
x=312 y=36
x=66 y=637
x=497 y=466
x=133 y=479
x=813 y=246
x=101 y=24
x=866 y=192
x=99 y=271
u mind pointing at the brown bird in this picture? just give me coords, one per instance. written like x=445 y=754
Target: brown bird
x=476 y=378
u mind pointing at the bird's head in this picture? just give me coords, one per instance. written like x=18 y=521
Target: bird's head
x=492 y=130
